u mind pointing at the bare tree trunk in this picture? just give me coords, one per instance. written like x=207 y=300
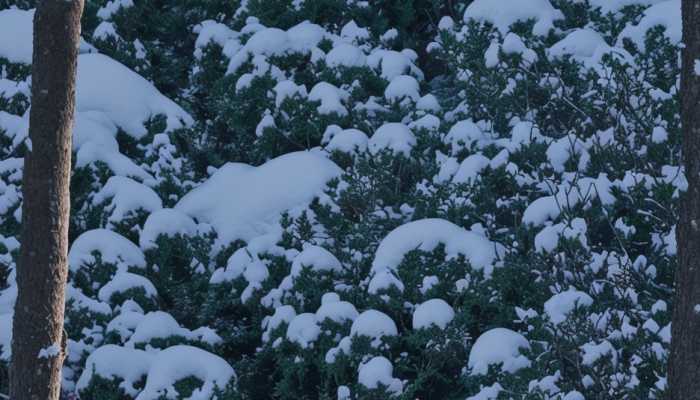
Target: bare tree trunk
x=38 y=345
x=684 y=363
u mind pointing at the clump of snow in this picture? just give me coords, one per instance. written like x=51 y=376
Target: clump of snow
x=156 y=324
x=379 y=370
x=384 y=280
x=115 y=362
x=352 y=32
x=426 y=235
x=580 y=43
x=334 y=309
x=561 y=304
x=470 y=168
x=303 y=329
x=561 y=150
x=428 y=103
x=127 y=98
x=315 y=258
x=568 y=194
x=124 y=281
x=393 y=63
x=666 y=14
x=548 y=238
x=503 y=13
x=112 y=247
x=168 y=222
x=513 y=44
x=243 y=262
x=433 y=312
x=374 y=324
x=81 y=301
x=241 y=201
x=14 y=126
x=464 y=134
x=288 y=89
x=211 y=31
x=283 y=314
x=393 y=136
x=108 y=10
x=94 y=140
x=487 y=393
x=496 y=346
x=330 y=97
x=127 y=195
x=104 y=31
x=161 y=325
x=345 y=140
x=346 y=55
x=402 y=86
x=592 y=352
x=268 y=42
x=126 y=322
x=179 y=362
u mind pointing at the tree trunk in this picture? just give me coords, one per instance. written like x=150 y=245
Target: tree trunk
x=38 y=345
x=684 y=363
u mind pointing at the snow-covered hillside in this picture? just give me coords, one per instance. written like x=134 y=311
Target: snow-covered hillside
x=337 y=199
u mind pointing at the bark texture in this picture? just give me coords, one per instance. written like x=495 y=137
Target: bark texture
x=42 y=268
x=684 y=363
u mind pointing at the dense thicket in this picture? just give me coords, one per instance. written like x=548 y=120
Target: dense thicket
x=363 y=200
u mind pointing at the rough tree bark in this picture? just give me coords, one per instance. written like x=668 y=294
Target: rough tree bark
x=684 y=363
x=38 y=345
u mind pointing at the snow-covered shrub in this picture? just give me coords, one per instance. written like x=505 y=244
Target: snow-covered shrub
x=362 y=200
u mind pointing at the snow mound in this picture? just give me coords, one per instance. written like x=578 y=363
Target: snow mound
x=161 y=325
x=179 y=362
x=470 y=168
x=334 y=309
x=666 y=14
x=94 y=140
x=393 y=63
x=561 y=304
x=346 y=140
x=127 y=195
x=168 y=222
x=581 y=43
x=303 y=329
x=393 y=136
x=503 y=13
x=330 y=97
x=433 y=312
x=374 y=324
x=402 y=86
x=499 y=345
x=240 y=201
x=426 y=235
x=125 y=323
x=127 y=98
x=283 y=315
x=124 y=281
x=346 y=55
x=112 y=247
x=268 y=42
x=376 y=371
x=316 y=259
x=115 y=362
